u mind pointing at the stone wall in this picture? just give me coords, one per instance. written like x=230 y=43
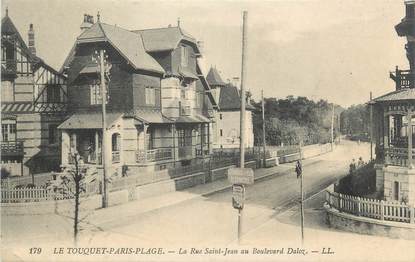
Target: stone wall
x=363 y=225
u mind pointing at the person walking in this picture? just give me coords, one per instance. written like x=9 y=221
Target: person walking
x=298 y=169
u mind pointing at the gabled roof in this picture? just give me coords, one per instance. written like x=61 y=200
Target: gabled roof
x=127 y=43
x=397 y=95
x=229 y=99
x=213 y=78
x=165 y=39
x=8 y=28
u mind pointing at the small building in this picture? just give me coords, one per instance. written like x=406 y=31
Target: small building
x=394 y=124
x=227 y=118
x=33 y=104
x=158 y=99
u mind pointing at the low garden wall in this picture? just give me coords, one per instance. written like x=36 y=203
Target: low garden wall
x=120 y=191
x=370 y=216
x=306 y=151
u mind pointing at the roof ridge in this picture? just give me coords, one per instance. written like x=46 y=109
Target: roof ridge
x=155 y=28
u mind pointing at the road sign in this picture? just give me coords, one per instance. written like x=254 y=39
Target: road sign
x=241 y=176
x=238 y=196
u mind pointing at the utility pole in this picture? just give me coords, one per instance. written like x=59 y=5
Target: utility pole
x=263 y=128
x=302 y=196
x=104 y=128
x=242 y=118
x=332 y=128
x=371 y=127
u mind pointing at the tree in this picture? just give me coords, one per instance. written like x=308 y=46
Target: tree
x=72 y=184
x=293 y=118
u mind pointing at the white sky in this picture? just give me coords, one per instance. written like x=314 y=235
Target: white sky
x=330 y=49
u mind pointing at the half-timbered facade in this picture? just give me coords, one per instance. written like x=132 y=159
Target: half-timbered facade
x=33 y=104
x=394 y=124
x=157 y=98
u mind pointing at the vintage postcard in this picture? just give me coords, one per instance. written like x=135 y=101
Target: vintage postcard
x=190 y=130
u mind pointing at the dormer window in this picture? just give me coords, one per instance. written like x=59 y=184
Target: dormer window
x=184 y=55
x=150 y=96
x=95 y=93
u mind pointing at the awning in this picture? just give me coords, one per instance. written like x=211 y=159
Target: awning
x=89 y=120
x=149 y=117
x=192 y=119
x=90 y=69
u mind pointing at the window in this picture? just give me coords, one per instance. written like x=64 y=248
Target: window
x=199 y=99
x=53 y=94
x=53 y=134
x=96 y=96
x=205 y=134
x=184 y=56
x=181 y=137
x=396 y=190
x=150 y=139
x=221 y=132
x=150 y=96
x=116 y=142
x=8 y=132
x=220 y=116
x=9 y=51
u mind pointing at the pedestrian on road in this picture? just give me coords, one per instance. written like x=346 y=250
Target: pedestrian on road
x=352 y=167
x=298 y=169
x=360 y=163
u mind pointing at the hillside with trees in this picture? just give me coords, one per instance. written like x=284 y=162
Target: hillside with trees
x=293 y=118
x=355 y=122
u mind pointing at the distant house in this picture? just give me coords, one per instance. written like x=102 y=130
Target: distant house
x=227 y=118
x=33 y=104
x=158 y=99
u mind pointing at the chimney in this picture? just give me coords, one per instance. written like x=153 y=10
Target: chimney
x=87 y=23
x=31 y=40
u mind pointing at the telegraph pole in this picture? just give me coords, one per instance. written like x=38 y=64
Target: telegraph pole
x=263 y=128
x=371 y=127
x=332 y=128
x=104 y=128
x=302 y=197
x=242 y=118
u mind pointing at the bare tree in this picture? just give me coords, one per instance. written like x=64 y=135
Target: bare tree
x=72 y=185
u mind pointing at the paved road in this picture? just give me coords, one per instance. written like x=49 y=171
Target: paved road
x=211 y=219
x=201 y=221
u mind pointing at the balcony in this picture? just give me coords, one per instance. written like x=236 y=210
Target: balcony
x=12 y=148
x=93 y=158
x=398 y=156
x=154 y=155
x=403 y=79
x=8 y=67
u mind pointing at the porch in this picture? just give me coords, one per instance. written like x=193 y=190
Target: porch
x=399 y=136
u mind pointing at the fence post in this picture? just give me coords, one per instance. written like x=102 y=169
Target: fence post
x=339 y=199
x=412 y=210
x=358 y=206
x=382 y=210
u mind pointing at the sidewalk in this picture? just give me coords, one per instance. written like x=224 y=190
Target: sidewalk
x=103 y=217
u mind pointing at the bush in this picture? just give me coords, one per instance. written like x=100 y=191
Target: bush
x=361 y=183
